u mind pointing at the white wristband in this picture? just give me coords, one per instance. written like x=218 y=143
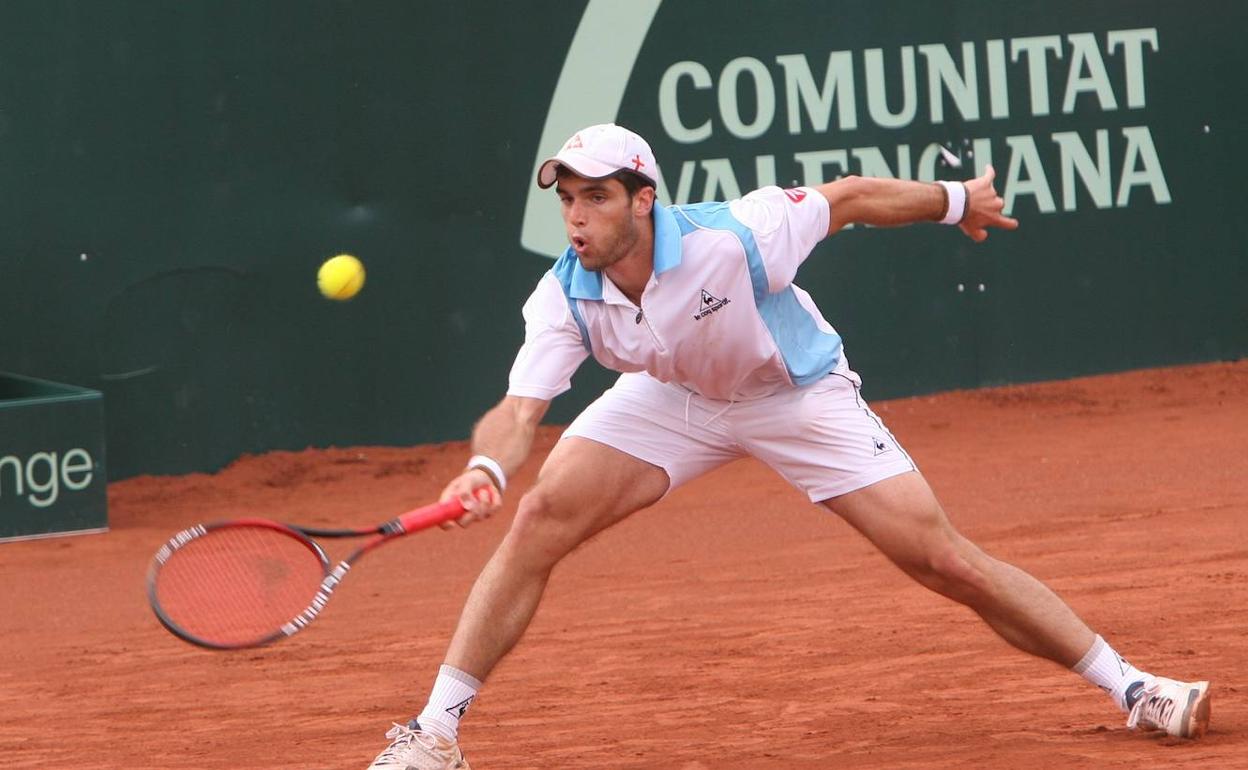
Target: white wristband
x=956 y=193
x=491 y=468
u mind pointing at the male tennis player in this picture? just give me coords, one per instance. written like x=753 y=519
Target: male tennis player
x=722 y=356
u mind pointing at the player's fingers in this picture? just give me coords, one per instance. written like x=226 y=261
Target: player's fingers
x=478 y=504
x=466 y=500
x=488 y=496
x=976 y=232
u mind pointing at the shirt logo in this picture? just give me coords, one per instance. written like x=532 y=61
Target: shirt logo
x=797 y=196
x=708 y=303
x=880 y=445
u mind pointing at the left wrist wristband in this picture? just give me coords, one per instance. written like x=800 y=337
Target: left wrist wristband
x=490 y=467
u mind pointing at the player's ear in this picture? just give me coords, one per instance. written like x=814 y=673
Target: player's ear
x=643 y=201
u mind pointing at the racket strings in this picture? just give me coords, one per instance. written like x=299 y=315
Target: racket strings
x=238 y=584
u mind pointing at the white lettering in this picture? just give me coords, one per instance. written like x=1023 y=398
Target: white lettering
x=50 y=487
x=77 y=461
x=43 y=473
x=1140 y=149
x=1132 y=42
x=871 y=162
x=927 y=162
x=998 y=92
x=1023 y=153
x=981 y=149
x=765 y=170
x=1036 y=48
x=838 y=85
x=669 y=104
x=877 y=89
x=765 y=97
x=721 y=182
x=16 y=465
x=943 y=73
x=1086 y=55
x=746 y=87
x=684 y=185
x=1086 y=161
x=813 y=163
x=1094 y=175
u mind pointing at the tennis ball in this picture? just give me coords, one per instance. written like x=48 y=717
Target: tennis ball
x=340 y=277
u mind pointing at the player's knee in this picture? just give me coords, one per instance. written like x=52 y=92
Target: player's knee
x=542 y=527
x=950 y=570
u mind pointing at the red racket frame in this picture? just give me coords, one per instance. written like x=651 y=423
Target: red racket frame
x=404 y=524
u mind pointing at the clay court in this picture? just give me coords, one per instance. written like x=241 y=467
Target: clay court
x=732 y=626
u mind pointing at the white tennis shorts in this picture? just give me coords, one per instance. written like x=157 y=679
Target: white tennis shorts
x=823 y=438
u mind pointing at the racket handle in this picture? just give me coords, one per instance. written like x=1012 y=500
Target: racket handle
x=429 y=515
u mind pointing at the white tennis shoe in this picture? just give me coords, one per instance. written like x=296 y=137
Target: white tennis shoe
x=1178 y=708
x=415 y=749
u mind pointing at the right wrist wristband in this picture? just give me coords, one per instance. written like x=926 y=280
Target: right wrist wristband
x=955 y=194
x=491 y=468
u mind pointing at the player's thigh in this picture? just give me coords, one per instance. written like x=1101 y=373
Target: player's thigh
x=901 y=516
x=629 y=448
x=589 y=486
x=584 y=487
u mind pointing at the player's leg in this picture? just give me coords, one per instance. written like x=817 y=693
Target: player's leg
x=902 y=518
x=828 y=442
x=626 y=450
x=584 y=487
x=622 y=454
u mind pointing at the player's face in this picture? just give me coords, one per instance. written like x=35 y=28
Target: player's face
x=601 y=219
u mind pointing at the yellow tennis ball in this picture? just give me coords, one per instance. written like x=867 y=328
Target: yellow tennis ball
x=341 y=277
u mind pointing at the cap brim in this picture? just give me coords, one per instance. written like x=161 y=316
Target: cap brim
x=577 y=164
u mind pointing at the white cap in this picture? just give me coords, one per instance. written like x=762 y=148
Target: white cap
x=600 y=151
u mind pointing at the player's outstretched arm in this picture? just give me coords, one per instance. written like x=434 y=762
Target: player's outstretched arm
x=501 y=442
x=897 y=202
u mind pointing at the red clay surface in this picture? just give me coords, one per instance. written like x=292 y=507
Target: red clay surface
x=732 y=626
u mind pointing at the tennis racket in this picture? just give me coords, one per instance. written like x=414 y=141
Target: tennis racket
x=244 y=583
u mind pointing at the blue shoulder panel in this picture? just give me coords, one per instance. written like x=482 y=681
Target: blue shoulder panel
x=809 y=352
x=573 y=278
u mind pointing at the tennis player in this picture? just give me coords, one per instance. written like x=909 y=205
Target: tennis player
x=722 y=356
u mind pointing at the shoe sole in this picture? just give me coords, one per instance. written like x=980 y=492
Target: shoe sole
x=1196 y=714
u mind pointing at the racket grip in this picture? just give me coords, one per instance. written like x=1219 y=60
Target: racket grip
x=429 y=515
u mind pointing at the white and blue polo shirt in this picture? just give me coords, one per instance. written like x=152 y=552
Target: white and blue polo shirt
x=720 y=315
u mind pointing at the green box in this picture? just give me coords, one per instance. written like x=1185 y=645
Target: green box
x=52 y=472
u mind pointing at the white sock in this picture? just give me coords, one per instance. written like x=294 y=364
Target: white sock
x=1106 y=669
x=453 y=693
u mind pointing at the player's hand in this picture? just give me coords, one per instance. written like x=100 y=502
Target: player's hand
x=475 y=490
x=983 y=208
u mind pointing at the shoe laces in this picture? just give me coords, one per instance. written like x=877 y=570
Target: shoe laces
x=405 y=740
x=1151 y=707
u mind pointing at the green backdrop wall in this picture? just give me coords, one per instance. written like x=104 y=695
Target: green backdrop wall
x=171 y=175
